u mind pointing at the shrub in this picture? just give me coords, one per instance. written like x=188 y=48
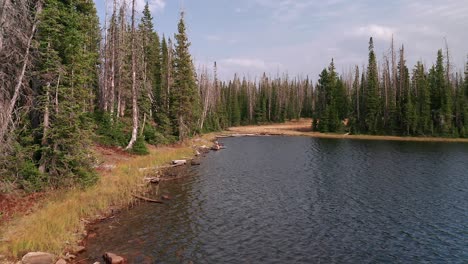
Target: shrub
x=139 y=147
x=32 y=179
x=110 y=133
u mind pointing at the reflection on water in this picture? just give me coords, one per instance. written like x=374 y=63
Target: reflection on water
x=304 y=200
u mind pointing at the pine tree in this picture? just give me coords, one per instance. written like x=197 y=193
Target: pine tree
x=441 y=96
x=152 y=58
x=372 y=113
x=421 y=85
x=355 y=118
x=407 y=108
x=185 y=107
x=67 y=64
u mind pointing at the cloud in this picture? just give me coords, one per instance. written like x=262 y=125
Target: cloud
x=245 y=63
x=293 y=10
x=213 y=38
x=376 y=31
x=154 y=5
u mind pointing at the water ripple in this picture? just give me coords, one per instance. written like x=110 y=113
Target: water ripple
x=304 y=200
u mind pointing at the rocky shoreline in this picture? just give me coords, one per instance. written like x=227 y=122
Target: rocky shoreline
x=168 y=172
x=152 y=176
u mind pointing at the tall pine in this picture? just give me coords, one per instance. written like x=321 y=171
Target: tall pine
x=185 y=101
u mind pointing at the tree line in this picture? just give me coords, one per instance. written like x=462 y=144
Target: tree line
x=67 y=84
x=394 y=100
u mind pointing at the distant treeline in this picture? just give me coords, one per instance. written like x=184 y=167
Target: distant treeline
x=65 y=84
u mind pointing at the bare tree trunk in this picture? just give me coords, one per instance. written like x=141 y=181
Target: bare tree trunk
x=104 y=74
x=19 y=82
x=142 y=130
x=2 y=20
x=169 y=74
x=46 y=124
x=112 y=70
x=448 y=65
x=56 y=96
x=134 y=91
x=205 y=88
x=120 y=56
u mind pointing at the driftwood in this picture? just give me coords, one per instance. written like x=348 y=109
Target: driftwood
x=179 y=162
x=152 y=179
x=147 y=199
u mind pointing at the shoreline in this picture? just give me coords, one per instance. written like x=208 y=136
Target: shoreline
x=72 y=211
x=59 y=226
x=302 y=127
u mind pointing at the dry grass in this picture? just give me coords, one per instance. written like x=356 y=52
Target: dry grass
x=302 y=127
x=59 y=224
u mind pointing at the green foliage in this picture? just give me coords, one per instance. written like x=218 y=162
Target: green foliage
x=372 y=111
x=32 y=179
x=185 y=100
x=154 y=137
x=139 y=148
x=110 y=132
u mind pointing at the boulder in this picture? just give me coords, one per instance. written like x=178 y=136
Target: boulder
x=195 y=163
x=78 y=250
x=165 y=197
x=38 y=258
x=61 y=261
x=111 y=258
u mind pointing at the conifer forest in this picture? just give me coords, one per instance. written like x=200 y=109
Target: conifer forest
x=67 y=82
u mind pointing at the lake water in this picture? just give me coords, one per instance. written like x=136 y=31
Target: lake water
x=304 y=200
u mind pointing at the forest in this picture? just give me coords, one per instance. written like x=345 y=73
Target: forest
x=66 y=84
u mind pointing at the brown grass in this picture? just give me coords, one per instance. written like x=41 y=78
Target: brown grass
x=302 y=127
x=59 y=224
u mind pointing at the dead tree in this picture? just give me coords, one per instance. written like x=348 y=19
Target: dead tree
x=134 y=88
x=8 y=103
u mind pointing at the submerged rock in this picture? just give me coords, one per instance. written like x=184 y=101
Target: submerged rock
x=61 y=261
x=111 y=258
x=195 y=163
x=38 y=258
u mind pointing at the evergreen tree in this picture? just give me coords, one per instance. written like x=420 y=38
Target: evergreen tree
x=185 y=107
x=441 y=97
x=372 y=113
x=68 y=46
x=421 y=85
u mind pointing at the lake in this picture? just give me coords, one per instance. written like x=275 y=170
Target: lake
x=304 y=200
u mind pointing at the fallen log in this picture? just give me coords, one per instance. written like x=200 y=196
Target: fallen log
x=147 y=199
x=152 y=179
x=179 y=162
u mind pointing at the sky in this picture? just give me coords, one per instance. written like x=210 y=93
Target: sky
x=300 y=37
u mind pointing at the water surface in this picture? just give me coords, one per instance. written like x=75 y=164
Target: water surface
x=304 y=200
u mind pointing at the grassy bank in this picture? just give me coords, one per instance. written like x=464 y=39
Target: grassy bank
x=303 y=128
x=59 y=223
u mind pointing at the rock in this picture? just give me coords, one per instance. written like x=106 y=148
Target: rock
x=38 y=258
x=194 y=163
x=79 y=249
x=111 y=258
x=61 y=261
x=69 y=257
x=165 y=197
x=96 y=262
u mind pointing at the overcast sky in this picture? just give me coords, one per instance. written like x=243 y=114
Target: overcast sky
x=301 y=36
